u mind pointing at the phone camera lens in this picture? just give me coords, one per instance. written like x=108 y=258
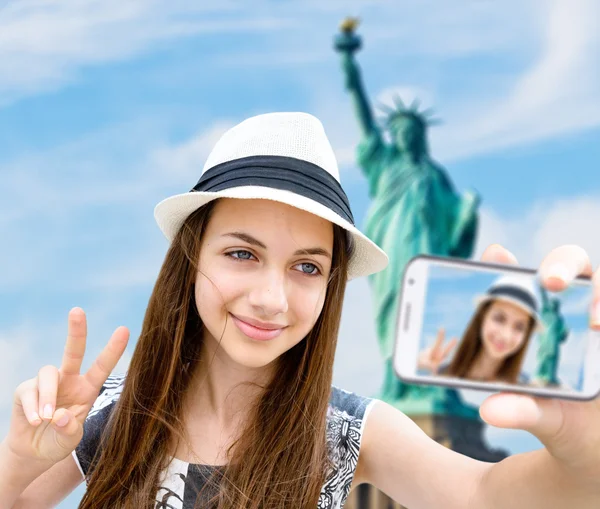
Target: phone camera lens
x=411 y=281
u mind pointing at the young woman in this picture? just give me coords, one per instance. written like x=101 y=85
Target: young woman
x=228 y=400
x=495 y=341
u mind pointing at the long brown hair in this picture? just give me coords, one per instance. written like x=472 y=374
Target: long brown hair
x=471 y=345
x=281 y=458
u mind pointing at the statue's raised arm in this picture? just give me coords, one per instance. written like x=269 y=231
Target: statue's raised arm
x=347 y=43
x=545 y=299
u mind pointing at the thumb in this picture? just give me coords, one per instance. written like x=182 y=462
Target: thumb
x=542 y=417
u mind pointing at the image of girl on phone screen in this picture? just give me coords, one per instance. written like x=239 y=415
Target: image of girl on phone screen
x=495 y=342
x=228 y=399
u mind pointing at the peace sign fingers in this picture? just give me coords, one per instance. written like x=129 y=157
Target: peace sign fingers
x=108 y=358
x=75 y=345
x=438 y=342
x=440 y=351
x=448 y=348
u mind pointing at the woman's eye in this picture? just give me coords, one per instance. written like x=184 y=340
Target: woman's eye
x=241 y=255
x=499 y=318
x=308 y=268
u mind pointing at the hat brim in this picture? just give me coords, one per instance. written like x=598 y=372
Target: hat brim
x=367 y=258
x=540 y=327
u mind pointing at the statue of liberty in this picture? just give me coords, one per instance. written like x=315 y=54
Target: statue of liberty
x=414 y=207
x=550 y=341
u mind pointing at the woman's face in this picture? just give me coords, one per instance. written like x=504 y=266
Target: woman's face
x=504 y=329
x=263 y=276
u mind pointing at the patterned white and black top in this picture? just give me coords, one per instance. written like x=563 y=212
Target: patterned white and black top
x=346 y=416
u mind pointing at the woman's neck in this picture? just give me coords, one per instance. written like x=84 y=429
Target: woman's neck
x=217 y=405
x=222 y=390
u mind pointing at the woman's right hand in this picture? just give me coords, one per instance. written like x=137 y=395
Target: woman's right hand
x=432 y=358
x=49 y=410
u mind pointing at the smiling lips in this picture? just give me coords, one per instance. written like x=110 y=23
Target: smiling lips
x=499 y=345
x=256 y=330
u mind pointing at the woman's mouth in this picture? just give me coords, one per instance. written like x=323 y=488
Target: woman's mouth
x=499 y=345
x=256 y=331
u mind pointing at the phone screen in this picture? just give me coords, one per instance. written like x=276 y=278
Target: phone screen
x=491 y=326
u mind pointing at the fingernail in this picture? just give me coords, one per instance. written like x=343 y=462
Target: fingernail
x=48 y=411
x=34 y=418
x=63 y=421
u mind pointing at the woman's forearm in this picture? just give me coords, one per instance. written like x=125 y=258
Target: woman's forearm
x=535 y=479
x=16 y=475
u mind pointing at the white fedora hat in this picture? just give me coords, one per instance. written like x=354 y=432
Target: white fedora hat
x=285 y=157
x=519 y=291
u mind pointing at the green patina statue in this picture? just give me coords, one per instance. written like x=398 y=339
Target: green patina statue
x=414 y=209
x=550 y=341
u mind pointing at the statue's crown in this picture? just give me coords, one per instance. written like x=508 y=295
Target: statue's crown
x=401 y=111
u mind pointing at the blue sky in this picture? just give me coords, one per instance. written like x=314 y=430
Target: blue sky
x=107 y=107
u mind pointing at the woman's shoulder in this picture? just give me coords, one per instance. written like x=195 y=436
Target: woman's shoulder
x=346 y=417
x=349 y=404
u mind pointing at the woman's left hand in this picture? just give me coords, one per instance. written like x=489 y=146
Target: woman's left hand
x=570 y=430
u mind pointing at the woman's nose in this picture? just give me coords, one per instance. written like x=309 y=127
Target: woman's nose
x=270 y=294
x=508 y=334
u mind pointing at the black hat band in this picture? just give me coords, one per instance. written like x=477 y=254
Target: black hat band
x=279 y=172
x=515 y=293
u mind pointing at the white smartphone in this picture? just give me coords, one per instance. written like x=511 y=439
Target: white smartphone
x=492 y=327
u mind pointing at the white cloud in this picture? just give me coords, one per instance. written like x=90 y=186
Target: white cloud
x=43 y=207
x=343 y=132
x=532 y=234
x=449 y=30
x=20 y=360
x=45 y=194
x=139 y=270
x=509 y=232
x=358 y=366
x=15 y=349
x=557 y=93
x=185 y=160
x=44 y=44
